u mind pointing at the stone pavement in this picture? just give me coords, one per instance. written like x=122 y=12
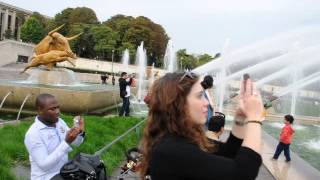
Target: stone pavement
x=297 y=169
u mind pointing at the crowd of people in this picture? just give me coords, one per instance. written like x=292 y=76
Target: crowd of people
x=182 y=135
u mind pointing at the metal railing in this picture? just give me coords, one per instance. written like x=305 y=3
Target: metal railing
x=106 y=147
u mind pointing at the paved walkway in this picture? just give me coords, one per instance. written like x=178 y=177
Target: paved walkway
x=297 y=169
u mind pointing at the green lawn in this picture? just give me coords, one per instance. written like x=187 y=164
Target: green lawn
x=99 y=131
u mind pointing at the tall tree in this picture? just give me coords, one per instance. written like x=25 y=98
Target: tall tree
x=105 y=40
x=83 y=15
x=204 y=58
x=70 y=16
x=42 y=20
x=62 y=18
x=134 y=30
x=185 y=60
x=83 y=45
x=32 y=31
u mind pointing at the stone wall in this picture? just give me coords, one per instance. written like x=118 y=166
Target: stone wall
x=105 y=66
x=10 y=50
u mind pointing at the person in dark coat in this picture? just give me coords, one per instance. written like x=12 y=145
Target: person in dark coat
x=125 y=92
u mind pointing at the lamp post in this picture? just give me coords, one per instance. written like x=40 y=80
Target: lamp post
x=112 y=61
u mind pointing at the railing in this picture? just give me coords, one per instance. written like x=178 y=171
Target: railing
x=106 y=147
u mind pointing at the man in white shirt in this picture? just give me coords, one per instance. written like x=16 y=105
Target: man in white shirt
x=49 y=139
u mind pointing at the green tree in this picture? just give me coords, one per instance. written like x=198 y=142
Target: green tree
x=83 y=46
x=83 y=15
x=105 y=40
x=42 y=20
x=202 y=59
x=62 y=18
x=132 y=31
x=185 y=60
x=71 y=16
x=32 y=31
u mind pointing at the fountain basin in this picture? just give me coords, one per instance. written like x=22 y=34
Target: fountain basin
x=72 y=99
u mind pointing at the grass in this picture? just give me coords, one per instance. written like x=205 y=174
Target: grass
x=99 y=132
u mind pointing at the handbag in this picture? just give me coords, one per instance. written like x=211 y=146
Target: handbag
x=83 y=166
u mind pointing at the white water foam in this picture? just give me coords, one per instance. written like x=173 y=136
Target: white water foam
x=313 y=144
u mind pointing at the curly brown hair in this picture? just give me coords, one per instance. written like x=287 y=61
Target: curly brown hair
x=168 y=113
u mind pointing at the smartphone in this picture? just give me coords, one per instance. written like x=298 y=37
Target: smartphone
x=76 y=121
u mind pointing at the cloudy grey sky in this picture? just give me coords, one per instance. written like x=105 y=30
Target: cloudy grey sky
x=200 y=25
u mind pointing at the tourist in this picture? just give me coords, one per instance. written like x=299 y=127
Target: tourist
x=207 y=84
x=285 y=138
x=49 y=139
x=174 y=144
x=113 y=80
x=104 y=77
x=216 y=128
x=125 y=92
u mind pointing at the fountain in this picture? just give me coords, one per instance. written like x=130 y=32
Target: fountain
x=73 y=96
x=221 y=89
x=125 y=60
x=170 y=60
x=141 y=62
x=286 y=67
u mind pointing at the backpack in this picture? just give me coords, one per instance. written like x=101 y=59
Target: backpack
x=83 y=166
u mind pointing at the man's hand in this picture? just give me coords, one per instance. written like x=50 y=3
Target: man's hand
x=72 y=135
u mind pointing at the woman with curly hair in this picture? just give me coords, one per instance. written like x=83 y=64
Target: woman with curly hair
x=174 y=144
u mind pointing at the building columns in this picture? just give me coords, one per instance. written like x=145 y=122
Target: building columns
x=13 y=22
x=5 y=23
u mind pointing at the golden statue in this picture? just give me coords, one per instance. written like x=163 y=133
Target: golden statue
x=52 y=49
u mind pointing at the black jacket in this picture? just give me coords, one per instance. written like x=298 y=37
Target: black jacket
x=122 y=84
x=175 y=158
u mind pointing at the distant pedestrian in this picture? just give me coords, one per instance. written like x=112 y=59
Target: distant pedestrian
x=113 y=80
x=207 y=84
x=104 y=78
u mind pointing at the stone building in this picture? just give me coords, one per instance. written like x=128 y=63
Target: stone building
x=10 y=18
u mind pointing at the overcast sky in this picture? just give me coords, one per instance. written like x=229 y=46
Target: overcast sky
x=200 y=25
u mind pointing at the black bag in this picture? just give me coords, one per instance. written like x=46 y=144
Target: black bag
x=83 y=166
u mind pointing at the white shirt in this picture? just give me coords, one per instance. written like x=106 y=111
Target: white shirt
x=48 y=150
x=128 y=91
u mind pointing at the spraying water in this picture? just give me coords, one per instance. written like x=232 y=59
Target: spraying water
x=125 y=60
x=222 y=75
x=170 y=60
x=141 y=62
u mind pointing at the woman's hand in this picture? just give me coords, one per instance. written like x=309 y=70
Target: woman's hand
x=250 y=103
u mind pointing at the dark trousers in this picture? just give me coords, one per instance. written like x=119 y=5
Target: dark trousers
x=282 y=147
x=125 y=109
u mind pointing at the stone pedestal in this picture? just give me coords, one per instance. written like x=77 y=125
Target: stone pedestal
x=57 y=76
